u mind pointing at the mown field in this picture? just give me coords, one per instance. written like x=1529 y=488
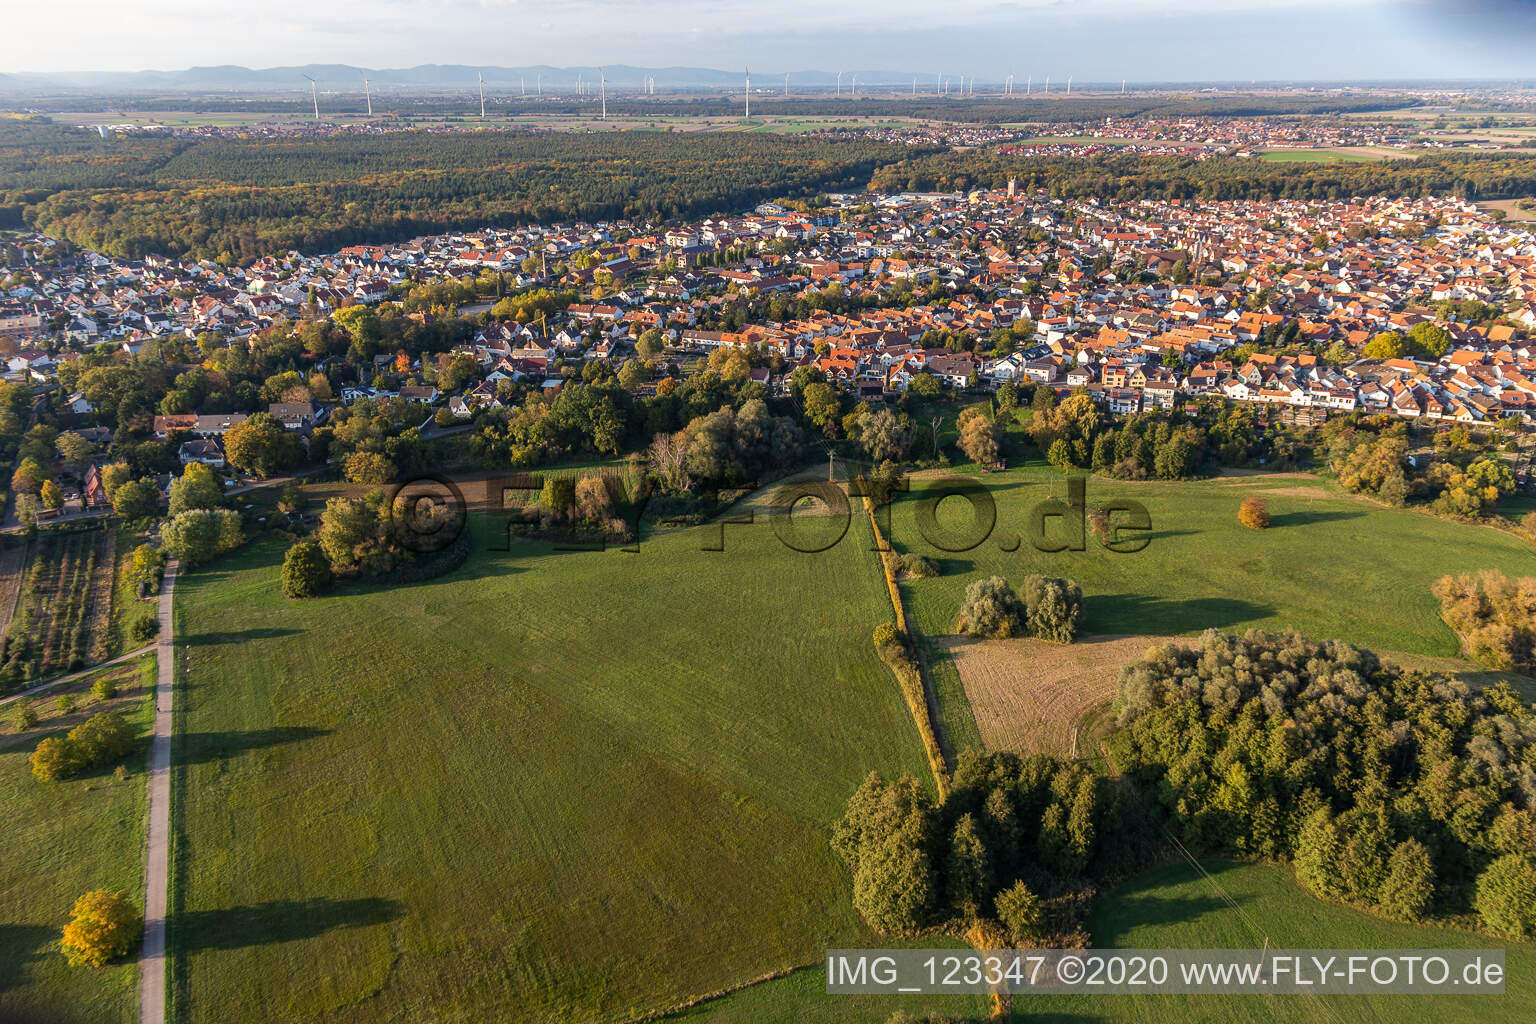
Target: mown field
x=553 y=786
x=1174 y=908
x=61 y=840
x=1331 y=565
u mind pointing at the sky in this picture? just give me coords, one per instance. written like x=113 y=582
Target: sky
x=1093 y=40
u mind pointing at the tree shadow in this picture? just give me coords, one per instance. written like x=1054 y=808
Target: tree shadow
x=20 y=945
x=202 y=747
x=264 y=924
x=1141 y=613
x=236 y=636
x=1307 y=517
x=1161 y=534
x=1157 y=911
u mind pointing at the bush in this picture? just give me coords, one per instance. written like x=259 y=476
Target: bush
x=1053 y=608
x=1494 y=616
x=1018 y=908
x=105 y=926
x=201 y=535
x=893 y=886
x=1253 y=514
x=104 y=688
x=99 y=740
x=920 y=566
x=991 y=609
x=54 y=759
x=1506 y=896
x=145 y=629
x=26 y=715
x=306 y=572
x=886 y=633
x=368 y=468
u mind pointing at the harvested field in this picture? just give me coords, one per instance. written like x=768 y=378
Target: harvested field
x=1027 y=695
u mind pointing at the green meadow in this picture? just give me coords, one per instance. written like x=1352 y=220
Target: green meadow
x=1174 y=907
x=1331 y=565
x=1315 y=156
x=551 y=786
x=61 y=840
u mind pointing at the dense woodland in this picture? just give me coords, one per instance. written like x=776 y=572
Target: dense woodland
x=236 y=200
x=1129 y=177
x=1403 y=793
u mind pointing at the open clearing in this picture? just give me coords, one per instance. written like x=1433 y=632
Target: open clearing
x=551 y=786
x=1347 y=154
x=1027 y=695
x=1174 y=908
x=61 y=840
x=1332 y=567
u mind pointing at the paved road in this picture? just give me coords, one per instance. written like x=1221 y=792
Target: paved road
x=158 y=860
x=29 y=691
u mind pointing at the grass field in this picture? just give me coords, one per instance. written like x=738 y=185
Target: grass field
x=801 y=998
x=553 y=786
x=61 y=840
x=1331 y=565
x=1318 y=156
x=1174 y=908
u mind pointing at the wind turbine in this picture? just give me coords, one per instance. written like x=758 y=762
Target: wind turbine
x=540 y=82
x=602 y=85
x=914 y=87
x=839 y=83
x=853 y=91
x=522 y=82
x=1122 y=87
x=748 y=115
x=1029 y=84
x=1047 y=84
x=315 y=96
x=482 y=94
x=786 y=83
x=368 y=94
x=1069 y=85
x=938 y=84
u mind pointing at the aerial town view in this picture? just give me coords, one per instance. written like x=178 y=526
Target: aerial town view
x=737 y=513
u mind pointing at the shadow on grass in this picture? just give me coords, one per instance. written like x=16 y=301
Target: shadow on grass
x=1140 y=613
x=1309 y=517
x=264 y=924
x=236 y=636
x=202 y=747
x=20 y=945
x=1157 y=911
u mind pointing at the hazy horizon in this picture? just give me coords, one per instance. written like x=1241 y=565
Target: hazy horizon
x=1095 y=40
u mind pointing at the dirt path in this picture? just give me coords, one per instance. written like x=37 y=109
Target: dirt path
x=40 y=687
x=157 y=860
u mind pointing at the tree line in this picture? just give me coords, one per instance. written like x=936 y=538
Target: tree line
x=1127 y=176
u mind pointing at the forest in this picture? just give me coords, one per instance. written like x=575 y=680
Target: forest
x=236 y=200
x=1405 y=794
x=1127 y=177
